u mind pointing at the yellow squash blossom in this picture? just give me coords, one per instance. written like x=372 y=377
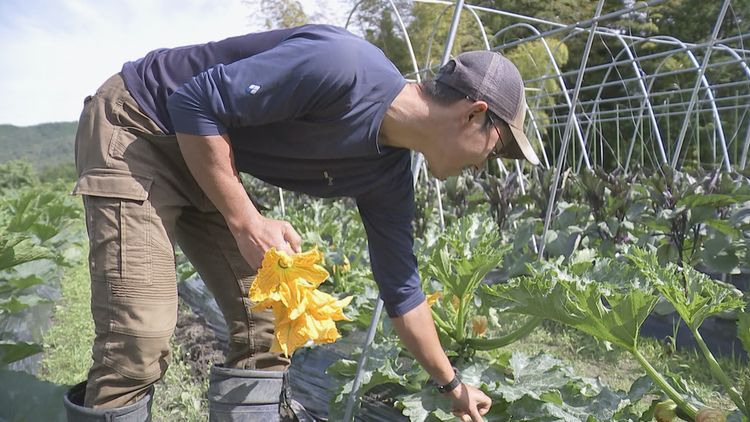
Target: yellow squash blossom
x=479 y=325
x=278 y=267
x=295 y=296
x=327 y=306
x=326 y=331
x=431 y=299
x=288 y=285
x=455 y=301
x=343 y=268
x=290 y=334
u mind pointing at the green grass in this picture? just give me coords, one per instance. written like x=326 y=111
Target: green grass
x=67 y=355
x=67 y=345
x=178 y=396
x=618 y=369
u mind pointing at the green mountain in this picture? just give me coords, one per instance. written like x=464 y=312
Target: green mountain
x=44 y=145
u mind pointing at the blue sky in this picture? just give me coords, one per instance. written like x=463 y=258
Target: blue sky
x=54 y=53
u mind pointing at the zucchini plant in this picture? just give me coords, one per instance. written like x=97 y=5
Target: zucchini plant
x=696 y=297
x=610 y=300
x=459 y=263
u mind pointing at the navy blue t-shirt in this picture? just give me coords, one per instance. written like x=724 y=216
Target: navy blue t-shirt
x=302 y=108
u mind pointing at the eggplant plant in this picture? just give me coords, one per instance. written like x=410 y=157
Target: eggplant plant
x=698 y=219
x=610 y=197
x=464 y=194
x=502 y=194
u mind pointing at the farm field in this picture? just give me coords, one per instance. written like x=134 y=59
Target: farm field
x=578 y=361
x=610 y=282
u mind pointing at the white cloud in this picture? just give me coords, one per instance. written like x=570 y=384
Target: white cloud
x=53 y=54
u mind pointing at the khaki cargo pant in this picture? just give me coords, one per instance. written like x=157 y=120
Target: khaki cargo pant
x=140 y=199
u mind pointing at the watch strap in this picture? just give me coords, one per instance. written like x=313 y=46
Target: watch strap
x=455 y=382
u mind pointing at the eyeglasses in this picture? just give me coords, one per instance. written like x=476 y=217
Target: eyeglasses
x=496 y=151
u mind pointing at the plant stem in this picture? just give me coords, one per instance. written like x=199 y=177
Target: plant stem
x=494 y=343
x=664 y=385
x=718 y=372
x=441 y=324
x=461 y=320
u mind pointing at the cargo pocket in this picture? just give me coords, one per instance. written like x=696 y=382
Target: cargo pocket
x=113 y=183
x=118 y=219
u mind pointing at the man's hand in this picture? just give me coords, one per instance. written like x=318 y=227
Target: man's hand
x=468 y=403
x=263 y=234
x=416 y=329
x=211 y=163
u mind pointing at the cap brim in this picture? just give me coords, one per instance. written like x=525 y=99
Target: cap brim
x=520 y=148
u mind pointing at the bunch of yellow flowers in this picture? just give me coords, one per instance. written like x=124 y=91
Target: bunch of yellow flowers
x=288 y=285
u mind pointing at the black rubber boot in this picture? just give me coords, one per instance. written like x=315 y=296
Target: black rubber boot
x=139 y=411
x=246 y=395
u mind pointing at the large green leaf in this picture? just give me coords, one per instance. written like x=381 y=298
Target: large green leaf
x=461 y=273
x=543 y=389
x=381 y=369
x=16 y=249
x=11 y=351
x=694 y=295
x=26 y=398
x=342 y=368
x=667 y=252
x=482 y=374
x=529 y=409
x=740 y=216
x=724 y=261
x=24 y=214
x=534 y=377
x=538 y=388
x=16 y=304
x=723 y=226
x=44 y=231
x=425 y=405
x=607 y=312
x=19 y=283
x=715 y=200
x=562 y=242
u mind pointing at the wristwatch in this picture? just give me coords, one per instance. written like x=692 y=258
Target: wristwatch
x=455 y=382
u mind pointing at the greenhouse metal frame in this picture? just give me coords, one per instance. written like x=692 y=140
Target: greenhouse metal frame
x=640 y=112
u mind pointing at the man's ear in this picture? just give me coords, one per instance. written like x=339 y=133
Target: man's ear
x=477 y=108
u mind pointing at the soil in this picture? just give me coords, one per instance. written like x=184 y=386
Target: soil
x=200 y=348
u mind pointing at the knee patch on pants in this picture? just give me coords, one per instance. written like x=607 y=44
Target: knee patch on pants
x=138 y=358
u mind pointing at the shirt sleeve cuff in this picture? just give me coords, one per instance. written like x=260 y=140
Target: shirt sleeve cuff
x=397 y=309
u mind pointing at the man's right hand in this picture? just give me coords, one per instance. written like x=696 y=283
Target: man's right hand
x=262 y=234
x=211 y=163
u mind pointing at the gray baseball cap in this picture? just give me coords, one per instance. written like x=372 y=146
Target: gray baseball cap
x=489 y=76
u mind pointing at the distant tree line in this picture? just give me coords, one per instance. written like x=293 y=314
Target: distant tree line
x=46 y=148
